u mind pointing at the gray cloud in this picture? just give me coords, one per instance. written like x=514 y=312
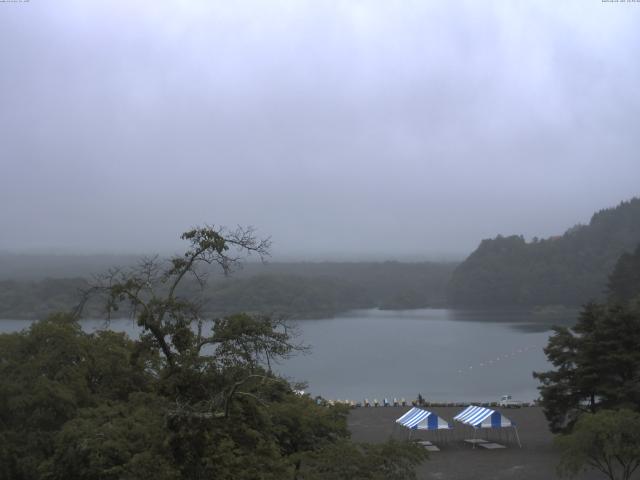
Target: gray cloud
x=353 y=129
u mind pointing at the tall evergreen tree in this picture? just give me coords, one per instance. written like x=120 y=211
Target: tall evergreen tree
x=597 y=361
x=624 y=281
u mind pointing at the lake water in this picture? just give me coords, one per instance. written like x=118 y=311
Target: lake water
x=446 y=355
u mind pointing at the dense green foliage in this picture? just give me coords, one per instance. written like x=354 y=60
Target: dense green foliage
x=597 y=365
x=597 y=361
x=592 y=397
x=348 y=461
x=191 y=399
x=567 y=270
x=624 y=281
x=52 y=374
x=303 y=290
x=608 y=441
x=100 y=406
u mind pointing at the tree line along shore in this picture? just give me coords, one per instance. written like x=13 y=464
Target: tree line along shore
x=507 y=271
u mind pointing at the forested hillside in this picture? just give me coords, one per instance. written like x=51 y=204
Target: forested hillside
x=567 y=270
x=297 y=290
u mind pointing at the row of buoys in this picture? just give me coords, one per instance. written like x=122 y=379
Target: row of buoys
x=493 y=361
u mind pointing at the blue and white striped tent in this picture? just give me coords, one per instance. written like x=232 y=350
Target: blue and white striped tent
x=481 y=417
x=419 y=419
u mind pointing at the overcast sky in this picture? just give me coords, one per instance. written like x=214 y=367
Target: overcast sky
x=342 y=129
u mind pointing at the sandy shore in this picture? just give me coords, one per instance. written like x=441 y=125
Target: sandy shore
x=537 y=459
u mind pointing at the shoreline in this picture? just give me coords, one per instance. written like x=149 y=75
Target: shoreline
x=427 y=405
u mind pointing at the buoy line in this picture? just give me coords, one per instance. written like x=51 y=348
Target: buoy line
x=495 y=361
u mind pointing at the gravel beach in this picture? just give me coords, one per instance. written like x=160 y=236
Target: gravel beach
x=457 y=460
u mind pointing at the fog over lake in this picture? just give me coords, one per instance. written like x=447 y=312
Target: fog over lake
x=446 y=355
x=343 y=130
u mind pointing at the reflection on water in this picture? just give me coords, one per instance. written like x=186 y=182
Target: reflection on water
x=446 y=355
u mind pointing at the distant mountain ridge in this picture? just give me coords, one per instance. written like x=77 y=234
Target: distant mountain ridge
x=564 y=270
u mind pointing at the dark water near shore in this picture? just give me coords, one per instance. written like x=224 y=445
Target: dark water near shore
x=446 y=355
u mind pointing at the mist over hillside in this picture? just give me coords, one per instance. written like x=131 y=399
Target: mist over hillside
x=299 y=290
x=570 y=269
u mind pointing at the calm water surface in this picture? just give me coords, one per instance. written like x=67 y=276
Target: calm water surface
x=446 y=355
